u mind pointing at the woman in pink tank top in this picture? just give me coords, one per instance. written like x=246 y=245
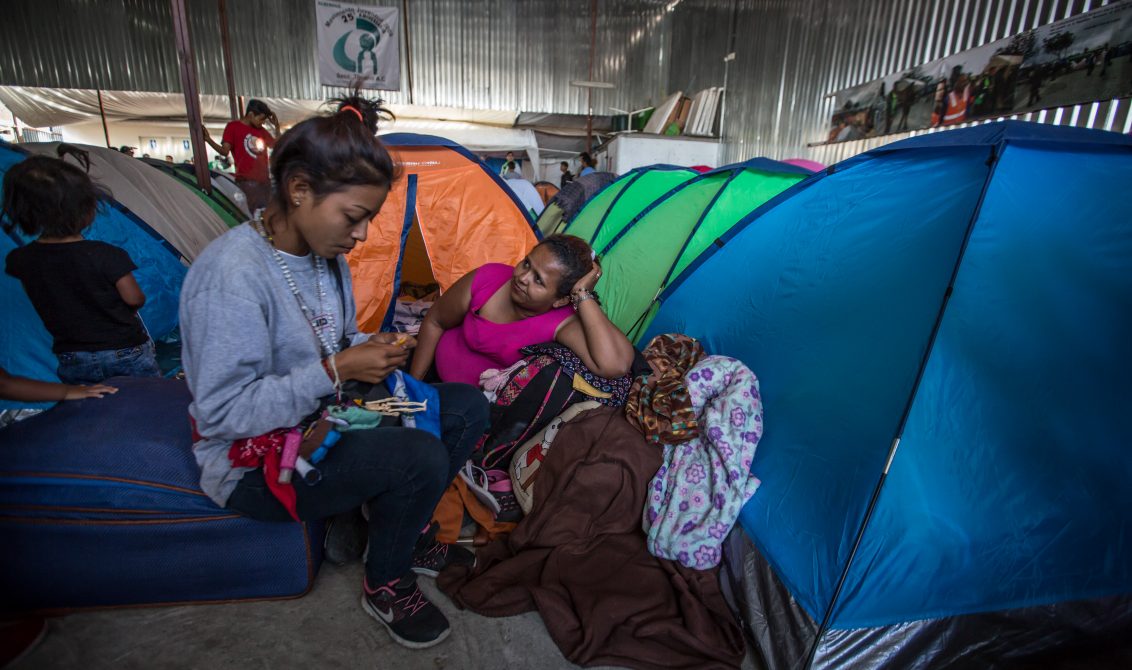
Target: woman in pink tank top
x=489 y=314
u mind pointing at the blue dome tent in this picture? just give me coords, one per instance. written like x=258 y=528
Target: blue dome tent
x=25 y=345
x=941 y=327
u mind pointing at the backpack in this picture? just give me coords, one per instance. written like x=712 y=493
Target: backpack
x=530 y=398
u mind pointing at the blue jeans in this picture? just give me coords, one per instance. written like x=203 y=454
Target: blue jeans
x=398 y=473
x=91 y=367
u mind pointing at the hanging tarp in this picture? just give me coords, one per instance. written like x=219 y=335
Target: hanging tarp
x=479 y=138
x=43 y=107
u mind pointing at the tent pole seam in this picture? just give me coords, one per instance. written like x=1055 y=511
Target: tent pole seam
x=612 y=204
x=639 y=322
x=407 y=223
x=644 y=212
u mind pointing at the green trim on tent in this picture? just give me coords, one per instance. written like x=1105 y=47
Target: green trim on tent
x=670 y=232
x=226 y=216
x=609 y=212
x=228 y=211
x=552 y=219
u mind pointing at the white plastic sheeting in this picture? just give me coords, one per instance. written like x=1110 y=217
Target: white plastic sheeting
x=476 y=137
x=44 y=107
x=170 y=208
x=527 y=194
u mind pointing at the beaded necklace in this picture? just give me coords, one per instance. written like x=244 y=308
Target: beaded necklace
x=319 y=263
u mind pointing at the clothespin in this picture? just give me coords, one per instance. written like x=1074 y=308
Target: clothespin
x=396 y=406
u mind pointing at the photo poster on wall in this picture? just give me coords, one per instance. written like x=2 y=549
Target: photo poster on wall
x=1080 y=59
x=358 y=45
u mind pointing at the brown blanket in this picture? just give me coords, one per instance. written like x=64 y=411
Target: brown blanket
x=580 y=559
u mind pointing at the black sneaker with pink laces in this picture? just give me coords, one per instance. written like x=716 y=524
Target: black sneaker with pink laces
x=411 y=619
x=431 y=557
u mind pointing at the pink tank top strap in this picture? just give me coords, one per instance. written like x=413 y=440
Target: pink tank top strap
x=489 y=277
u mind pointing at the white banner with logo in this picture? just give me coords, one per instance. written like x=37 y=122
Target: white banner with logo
x=358 y=45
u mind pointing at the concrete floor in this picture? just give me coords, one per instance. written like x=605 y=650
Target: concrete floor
x=325 y=629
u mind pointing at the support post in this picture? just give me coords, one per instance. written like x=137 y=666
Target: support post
x=590 y=91
x=183 y=38
x=408 y=45
x=102 y=114
x=226 y=49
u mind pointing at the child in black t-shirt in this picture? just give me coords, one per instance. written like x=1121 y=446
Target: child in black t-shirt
x=84 y=291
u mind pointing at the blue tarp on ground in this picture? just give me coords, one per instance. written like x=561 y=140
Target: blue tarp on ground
x=1011 y=400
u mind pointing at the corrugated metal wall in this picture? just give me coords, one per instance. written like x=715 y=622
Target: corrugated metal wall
x=790 y=54
x=480 y=54
x=509 y=55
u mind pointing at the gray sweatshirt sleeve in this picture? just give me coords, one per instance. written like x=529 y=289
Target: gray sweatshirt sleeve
x=229 y=339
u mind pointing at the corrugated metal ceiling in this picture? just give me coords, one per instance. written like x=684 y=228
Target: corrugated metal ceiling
x=505 y=55
x=479 y=54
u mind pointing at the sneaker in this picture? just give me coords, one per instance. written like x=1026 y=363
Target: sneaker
x=509 y=509
x=500 y=488
x=346 y=537
x=411 y=619
x=431 y=557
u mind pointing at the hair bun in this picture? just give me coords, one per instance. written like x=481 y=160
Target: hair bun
x=369 y=112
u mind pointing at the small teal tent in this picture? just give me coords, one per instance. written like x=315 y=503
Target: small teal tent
x=942 y=328
x=25 y=345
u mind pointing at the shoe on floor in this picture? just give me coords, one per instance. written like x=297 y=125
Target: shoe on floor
x=346 y=536
x=431 y=557
x=411 y=619
x=499 y=485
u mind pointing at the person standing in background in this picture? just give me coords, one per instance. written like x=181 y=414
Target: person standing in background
x=248 y=143
x=588 y=164
x=567 y=177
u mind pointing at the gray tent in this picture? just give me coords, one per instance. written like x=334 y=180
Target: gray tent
x=175 y=212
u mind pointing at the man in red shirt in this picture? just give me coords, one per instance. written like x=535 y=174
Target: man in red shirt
x=247 y=142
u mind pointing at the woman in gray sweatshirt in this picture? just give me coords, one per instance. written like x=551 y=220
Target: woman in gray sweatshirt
x=268 y=328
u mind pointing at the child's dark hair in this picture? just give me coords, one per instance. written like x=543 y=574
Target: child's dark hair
x=48 y=197
x=586 y=159
x=257 y=107
x=574 y=255
x=334 y=152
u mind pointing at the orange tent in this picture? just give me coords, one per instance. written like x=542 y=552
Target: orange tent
x=446 y=215
x=546 y=191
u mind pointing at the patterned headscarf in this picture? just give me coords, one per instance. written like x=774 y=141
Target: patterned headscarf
x=659 y=405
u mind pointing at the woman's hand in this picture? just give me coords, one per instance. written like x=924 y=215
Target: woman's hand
x=589 y=281
x=403 y=340
x=371 y=361
x=79 y=392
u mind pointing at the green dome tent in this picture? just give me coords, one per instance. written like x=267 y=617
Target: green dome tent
x=231 y=212
x=572 y=197
x=668 y=234
x=608 y=212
